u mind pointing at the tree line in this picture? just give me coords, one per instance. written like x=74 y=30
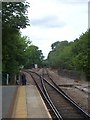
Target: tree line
x=17 y=50
x=71 y=55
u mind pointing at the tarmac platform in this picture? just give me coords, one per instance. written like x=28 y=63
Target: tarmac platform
x=29 y=103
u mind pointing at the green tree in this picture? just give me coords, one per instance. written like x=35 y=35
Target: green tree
x=71 y=55
x=14 y=18
x=33 y=56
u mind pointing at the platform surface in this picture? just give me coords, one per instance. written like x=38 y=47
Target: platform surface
x=0 y=102
x=36 y=107
x=29 y=103
x=7 y=95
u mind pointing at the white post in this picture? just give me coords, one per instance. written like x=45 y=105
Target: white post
x=7 y=78
x=36 y=66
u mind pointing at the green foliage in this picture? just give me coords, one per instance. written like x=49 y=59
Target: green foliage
x=14 y=53
x=14 y=17
x=13 y=45
x=17 y=50
x=14 y=14
x=33 y=56
x=71 y=55
x=54 y=45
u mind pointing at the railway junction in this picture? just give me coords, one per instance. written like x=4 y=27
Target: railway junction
x=46 y=95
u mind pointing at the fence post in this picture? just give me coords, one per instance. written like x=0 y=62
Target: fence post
x=7 y=79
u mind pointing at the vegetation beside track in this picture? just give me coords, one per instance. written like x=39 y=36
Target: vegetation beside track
x=17 y=50
x=71 y=55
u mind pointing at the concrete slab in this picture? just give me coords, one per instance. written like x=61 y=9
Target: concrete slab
x=35 y=105
x=8 y=93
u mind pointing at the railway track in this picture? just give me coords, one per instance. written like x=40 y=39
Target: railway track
x=63 y=107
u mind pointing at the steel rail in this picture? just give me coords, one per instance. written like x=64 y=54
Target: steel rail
x=67 y=97
x=44 y=88
x=56 y=111
x=47 y=98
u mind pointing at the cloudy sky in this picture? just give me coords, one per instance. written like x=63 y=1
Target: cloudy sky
x=56 y=20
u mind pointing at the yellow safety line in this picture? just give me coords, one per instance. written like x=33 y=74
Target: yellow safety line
x=20 y=107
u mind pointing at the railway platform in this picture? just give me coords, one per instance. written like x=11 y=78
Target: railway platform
x=29 y=103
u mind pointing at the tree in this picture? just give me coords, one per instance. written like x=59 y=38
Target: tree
x=54 y=45
x=71 y=55
x=14 y=15
x=14 y=18
x=33 y=56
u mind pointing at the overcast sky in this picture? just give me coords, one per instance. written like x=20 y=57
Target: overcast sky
x=56 y=20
